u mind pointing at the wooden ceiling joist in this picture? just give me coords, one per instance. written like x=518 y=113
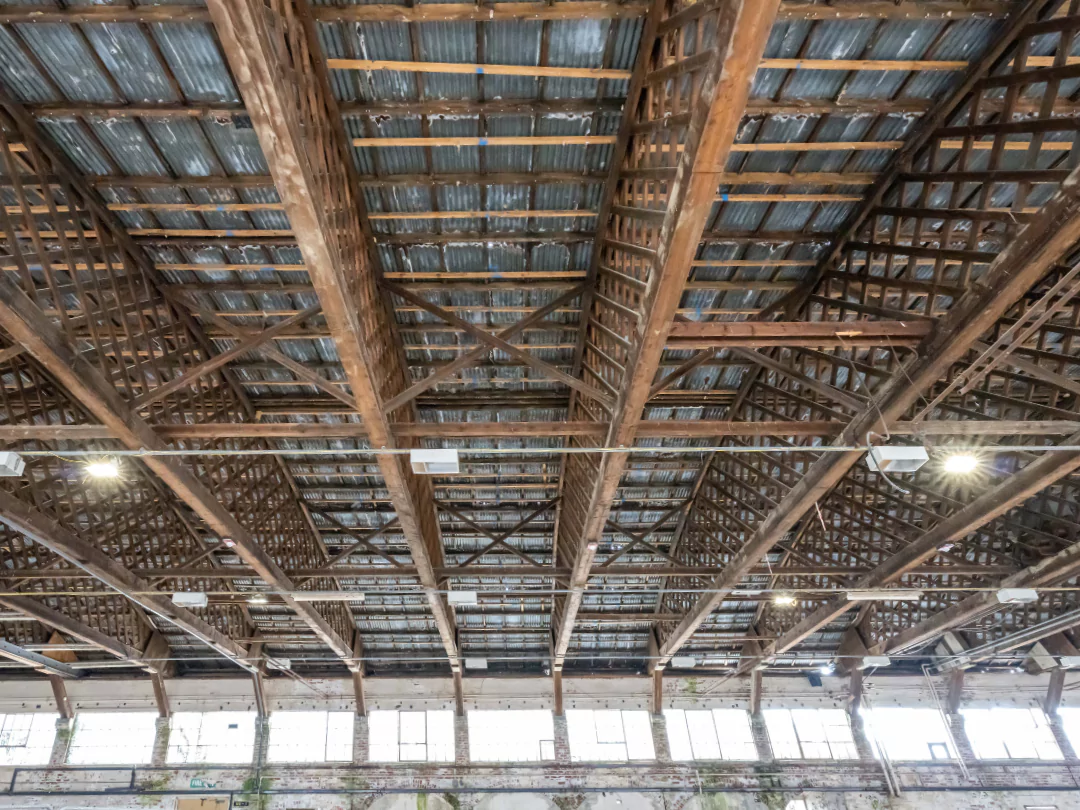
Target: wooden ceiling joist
x=1036 y=248
x=655 y=257
x=304 y=143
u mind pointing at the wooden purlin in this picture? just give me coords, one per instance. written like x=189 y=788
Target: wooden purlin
x=1048 y=237
x=300 y=131
x=649 y=241
x=132 y=350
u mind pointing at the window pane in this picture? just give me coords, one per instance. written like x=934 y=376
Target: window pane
x=639 y=741
x=735 y=734
x=218 y=737
x=907 y=734
x=413 y=728
x=677 y=735
x=113 y=738
x=27 y=739
x=383 y=736
x=310 y=737
x=702 y=735
x=1002 y=733
x=514 y=735
x=440 y=733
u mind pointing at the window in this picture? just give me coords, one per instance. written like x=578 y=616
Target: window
x=1070 y=723
x=310 y=737
x=609 y=735
x=704 y=734
x=908 y=734
x=810 y=734
x=113 y=738
x=411 y=736
x=517 y=735
x=27 y=739
x=220 y=737
x=1010 y=734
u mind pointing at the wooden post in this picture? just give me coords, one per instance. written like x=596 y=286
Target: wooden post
x=63 y=705
x=459 y=694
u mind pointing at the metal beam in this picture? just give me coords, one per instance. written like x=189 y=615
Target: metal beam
x=287 y=95
x=651 y=269
x=34 y=660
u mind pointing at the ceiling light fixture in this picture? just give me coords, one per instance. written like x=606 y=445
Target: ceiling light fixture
x=190 y=599
x=960 y=464
x=103 y=469
x=258 y=599
x=784 y=600
x=888 y=594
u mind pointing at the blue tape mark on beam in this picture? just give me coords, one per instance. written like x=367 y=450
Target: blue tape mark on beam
x=479 y=69
x=483 y=142
x=221 y=208
x=228 y=233
x=724 y=197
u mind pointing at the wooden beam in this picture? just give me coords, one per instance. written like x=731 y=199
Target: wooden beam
x=161 y=697
x=33 y=608
x=303 y=140
x=60 y=695
x=358 y=676
x=991 y=504
x=45 y=531
x=532 y=71
x=894 y=10
x=763 y=334
x=43 y=340
x=655 y=428
x=1038 y=246
x=473 y=12
x=211 y=364
x=662 y=259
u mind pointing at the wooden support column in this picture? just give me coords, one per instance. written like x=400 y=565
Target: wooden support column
x=1052 y=702
x=161 y=697
x=651 y=234
x=656 y=703
x=556 y=684
x=459 y=695
x=956 y=692
x=60 y=695
x=277 y=62
x=358 y=676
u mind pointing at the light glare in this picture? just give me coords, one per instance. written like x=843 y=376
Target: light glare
x=961 y=464
x=103 y=469
x=784 y=599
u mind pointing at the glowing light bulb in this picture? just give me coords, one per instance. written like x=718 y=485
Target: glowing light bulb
x=104 y=468
x=784 y=600
x=961 y=464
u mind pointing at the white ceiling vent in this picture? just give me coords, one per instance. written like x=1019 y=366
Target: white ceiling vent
x=434 y=462
x=896 y=458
